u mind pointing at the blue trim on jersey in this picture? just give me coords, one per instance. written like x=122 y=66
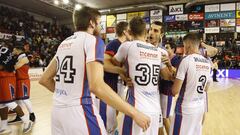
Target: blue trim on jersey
x=12 y=90
x=103 y=112
x=177 y=124
x=178 y=108
x=91 y=119
x=86 y=97
x=25 y=91
x=128 y=121
x=169 y=105
x=99 y=49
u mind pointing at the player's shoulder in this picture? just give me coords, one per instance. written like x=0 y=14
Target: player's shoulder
x=114 y=42
x=185 y=59
x=163 y=51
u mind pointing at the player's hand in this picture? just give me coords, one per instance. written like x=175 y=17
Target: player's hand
x=165 y=60
x=125 y=78
x=142 y=120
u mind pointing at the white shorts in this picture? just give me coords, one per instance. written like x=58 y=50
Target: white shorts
x=129 y=127
x=77 y=120
x=108 y=115
x=166 y=105
x=2 y=106
x=187 y=124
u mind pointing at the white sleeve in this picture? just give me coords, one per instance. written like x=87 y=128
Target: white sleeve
x=23 y=55
x=182 y=69
x=121 y=54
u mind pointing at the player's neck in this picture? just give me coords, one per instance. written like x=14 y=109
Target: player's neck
x=141 y=38
x=122 y=39
x=90 y=31
x=193 y=51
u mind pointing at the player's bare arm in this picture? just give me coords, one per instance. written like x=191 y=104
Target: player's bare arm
x=47 y=79
x=110 y=67
x=176 y=86
x=21 y=62
x=211 y=51
x=103 y=91
x=123 y=74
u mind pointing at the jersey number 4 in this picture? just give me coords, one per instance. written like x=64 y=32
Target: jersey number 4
x=149 y=74
x=65 y=68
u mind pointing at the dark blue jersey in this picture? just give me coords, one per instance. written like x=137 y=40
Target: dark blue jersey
x=110 y=78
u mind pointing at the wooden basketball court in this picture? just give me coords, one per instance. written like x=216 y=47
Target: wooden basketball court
x=223 y=117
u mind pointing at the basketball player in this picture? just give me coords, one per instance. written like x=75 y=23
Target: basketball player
x=156 y=34
x=23 y=83
x=7 y=92
x=143 y=63
x=165 y=88
x=192 y=80
x=108 y=113
x=78 y=68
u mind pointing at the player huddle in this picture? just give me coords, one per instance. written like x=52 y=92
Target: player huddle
x=14 y=88
x=84 y=77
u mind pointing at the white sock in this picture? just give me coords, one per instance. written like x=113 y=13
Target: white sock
x=24 y=118
x=28 y=104
x=20 y=103
x=4 y=124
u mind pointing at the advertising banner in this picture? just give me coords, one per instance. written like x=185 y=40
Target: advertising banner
x=103 y=18
x=9 y=36
x=228 y=7
x=131 y=15
x=103 y=27
x=212 y=8
x=238 y=22
x=175 y=9
x=220 y=15
x=155 y=13
x=238 y=6
x=227 y=29
x=111 y=21
x=121 y=16
x=227 y=22
x=212 y=30
x=197 y=9
x=238 y=29
x=156 y=18
x=227 y=73
x=183 y=17
x=196 y=16
x=237 y=14
x=35 y=73
x=212 y=23
x=169 y=18
x=143 y=14
x=196 y=24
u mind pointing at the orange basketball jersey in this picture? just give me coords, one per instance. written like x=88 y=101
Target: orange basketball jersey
x=7 y=87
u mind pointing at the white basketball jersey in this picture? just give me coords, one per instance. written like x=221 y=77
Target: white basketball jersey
x=73 y=54
x=194 y=70
x=143 y=62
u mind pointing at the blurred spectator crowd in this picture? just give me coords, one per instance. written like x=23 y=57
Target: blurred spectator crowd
x=40 y=39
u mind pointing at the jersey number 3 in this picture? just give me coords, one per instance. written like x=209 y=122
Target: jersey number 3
x=201 y=80
x=65 y=68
